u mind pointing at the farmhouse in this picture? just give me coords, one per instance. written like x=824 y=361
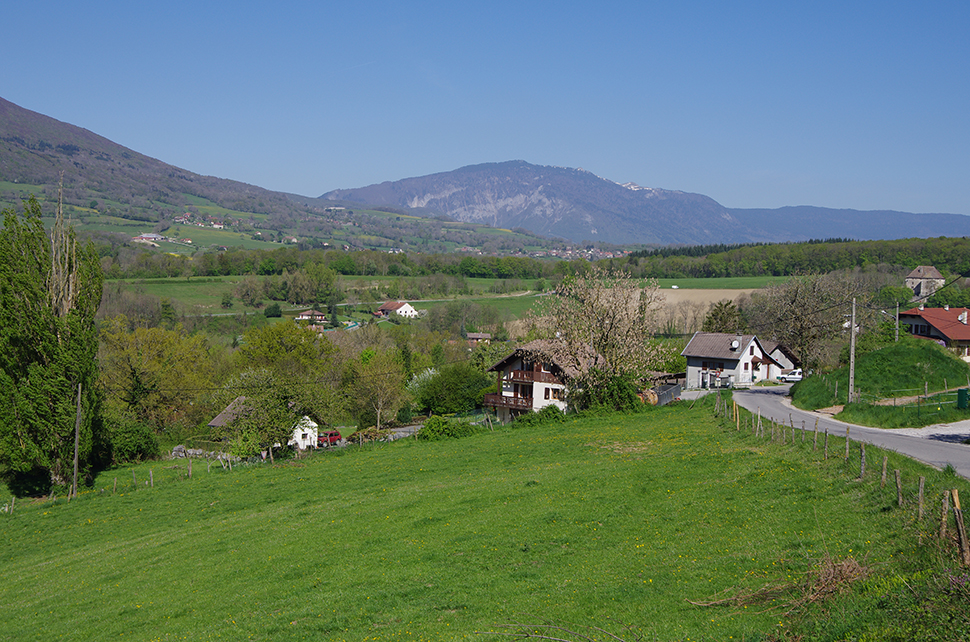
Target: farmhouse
x=529 y=379
x=924 y=281
x=946 y=325
x=721 y=360
x=401 y=308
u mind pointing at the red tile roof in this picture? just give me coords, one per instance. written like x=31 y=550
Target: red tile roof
x=946 y=322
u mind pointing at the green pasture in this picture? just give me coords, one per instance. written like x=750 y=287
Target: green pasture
x=612 y=521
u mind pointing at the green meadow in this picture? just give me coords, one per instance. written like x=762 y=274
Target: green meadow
x=617 y=522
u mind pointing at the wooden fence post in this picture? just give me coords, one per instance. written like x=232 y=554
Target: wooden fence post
x=826 y=454
x=115 y=489
x=803 y=431
x=190 y=467
x=134 y=479
x=815 y=441
x=885 y=460
x=899 y=488
x=151 y=476
x=919 y=510
x=943 y=513
x=862 y=457
x=961 y=528
x=13 y=498
x=847 y=444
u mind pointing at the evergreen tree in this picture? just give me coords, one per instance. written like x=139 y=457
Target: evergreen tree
x=49 y=293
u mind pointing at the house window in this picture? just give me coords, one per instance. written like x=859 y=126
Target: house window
x=547 y=393
x=751 y=350
x=746 y=364
x=556 y=393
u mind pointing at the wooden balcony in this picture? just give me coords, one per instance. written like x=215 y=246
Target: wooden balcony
x=529 y=376
x=501 y=401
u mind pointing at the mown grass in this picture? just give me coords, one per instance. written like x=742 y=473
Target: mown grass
x=609 y=521
x=936 y=409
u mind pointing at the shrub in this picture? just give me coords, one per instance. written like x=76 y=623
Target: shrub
x=131 y=440
x=601 y=390
x=436 y=428
x=273 y=310
x=548 y=415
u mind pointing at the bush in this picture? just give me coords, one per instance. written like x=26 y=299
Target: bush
x=456 y=387
x=602 y=391
x=437 y=428
x=548 y=415
x=131 y=440
x=273 y=310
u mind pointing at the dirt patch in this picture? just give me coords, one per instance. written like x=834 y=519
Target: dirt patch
x=831 y=410
x=706 y=297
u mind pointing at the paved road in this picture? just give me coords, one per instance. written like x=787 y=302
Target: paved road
x=934 y=445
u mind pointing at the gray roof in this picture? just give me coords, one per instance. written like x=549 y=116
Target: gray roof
x=925 y=272
x=717 y=345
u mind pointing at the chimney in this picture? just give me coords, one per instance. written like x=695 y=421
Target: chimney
x=946 y=307
x=963 y=317
x=920 y=306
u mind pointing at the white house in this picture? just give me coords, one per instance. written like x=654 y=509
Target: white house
x=529 y=379
x=304 y=434
x=719 y=359
x=398 y=307
x=785 y=359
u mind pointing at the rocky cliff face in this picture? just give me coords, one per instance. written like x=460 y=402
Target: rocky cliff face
x=556 y=201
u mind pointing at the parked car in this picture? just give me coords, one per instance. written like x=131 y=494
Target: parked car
x=328 y=438
x=791 y=376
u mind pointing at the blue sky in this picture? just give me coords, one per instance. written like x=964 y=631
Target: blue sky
x=840 y=104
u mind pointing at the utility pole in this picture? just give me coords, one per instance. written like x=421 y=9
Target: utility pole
x=852 y=356
x=897 y=321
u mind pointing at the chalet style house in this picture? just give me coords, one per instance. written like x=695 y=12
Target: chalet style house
x=724 y=360
x=529 y=379
x=946 y=325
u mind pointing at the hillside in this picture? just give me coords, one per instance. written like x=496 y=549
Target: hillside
x=110 y=189
x=613 y=522
x=578 y=205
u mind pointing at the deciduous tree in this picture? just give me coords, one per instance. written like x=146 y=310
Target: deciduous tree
x=49 y=293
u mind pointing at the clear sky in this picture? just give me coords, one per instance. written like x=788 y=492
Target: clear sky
x=863 y=105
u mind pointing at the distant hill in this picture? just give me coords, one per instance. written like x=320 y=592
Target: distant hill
x=578 y=205
x=35 y=150
x=102 y=178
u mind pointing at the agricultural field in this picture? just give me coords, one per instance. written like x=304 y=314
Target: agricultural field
x=666 y=525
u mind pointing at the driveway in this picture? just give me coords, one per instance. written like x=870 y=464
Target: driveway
x=934 y=445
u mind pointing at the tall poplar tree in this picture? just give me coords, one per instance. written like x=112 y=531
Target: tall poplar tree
x=50 y=291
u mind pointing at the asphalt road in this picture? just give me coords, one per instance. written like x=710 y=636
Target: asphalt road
x=934 y=445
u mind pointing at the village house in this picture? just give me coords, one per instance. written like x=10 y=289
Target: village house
x=723 y=360
x=401 y=308
x=304 y=431
x=529 y=379
x=312 y=317
x=945 y=325
x=784 y=358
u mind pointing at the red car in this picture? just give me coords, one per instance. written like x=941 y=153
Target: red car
x=328 y=438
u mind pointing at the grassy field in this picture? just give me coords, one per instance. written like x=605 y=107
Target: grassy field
x=729 y=283
x=609 y=522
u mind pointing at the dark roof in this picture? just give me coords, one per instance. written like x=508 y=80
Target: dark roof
x=717 y=345
x=770 y=347
x=233 y=410
x=551 y=352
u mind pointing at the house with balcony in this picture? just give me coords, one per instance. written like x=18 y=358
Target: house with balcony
x=529 y=379
x=725 y=360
